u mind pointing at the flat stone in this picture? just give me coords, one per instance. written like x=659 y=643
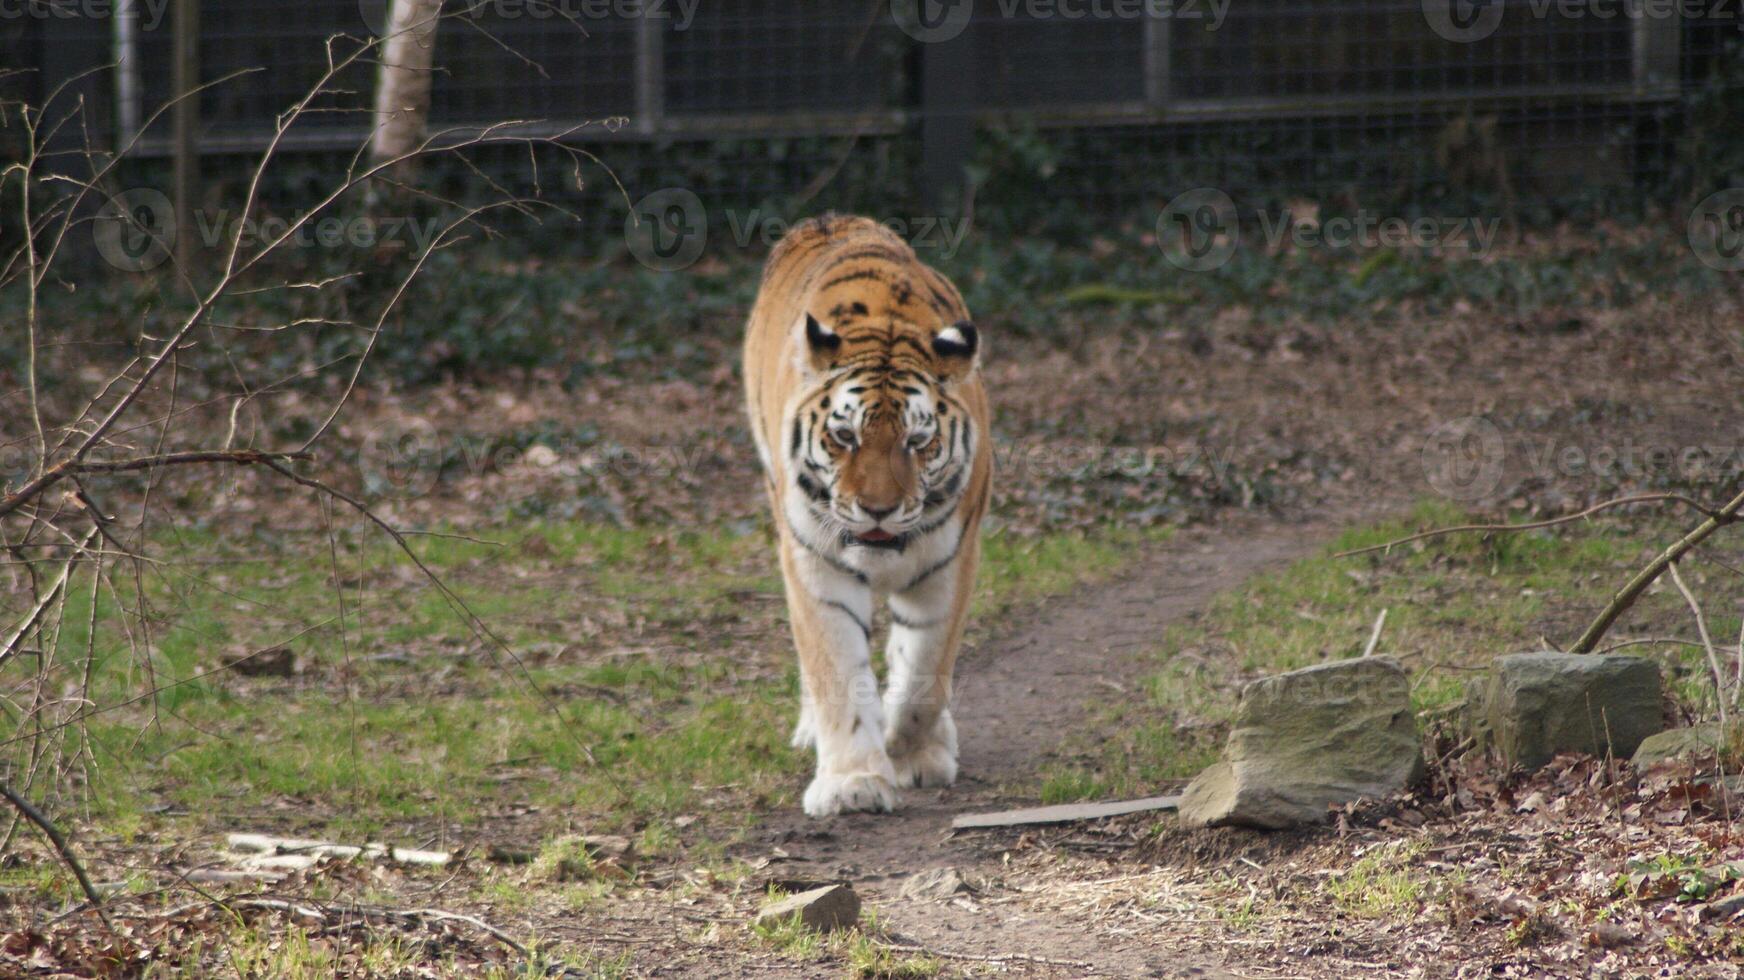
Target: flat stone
x=821 y=909
x=1535 y=705
x=936 y=884
x=1677 y=742
x=1307 y=740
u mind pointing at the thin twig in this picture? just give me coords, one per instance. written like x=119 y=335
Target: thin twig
x=1645 y=498
x=59 y=840
x=1375 y=635
x=1707 y=641
x=322 y=911
x=75 y=465
x=474 y=622
x=1631 y=591
x=1647 y=640
x=48 y=599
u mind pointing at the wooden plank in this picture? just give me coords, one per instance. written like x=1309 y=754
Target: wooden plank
x=1064 y=813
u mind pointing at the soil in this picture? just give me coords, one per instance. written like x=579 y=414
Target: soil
x=1020 y=693
x=1338 y=419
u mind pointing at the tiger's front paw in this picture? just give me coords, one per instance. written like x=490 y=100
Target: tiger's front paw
x=850 y=792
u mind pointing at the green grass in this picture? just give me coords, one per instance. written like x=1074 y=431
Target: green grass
x=1380 y=884
x=857 y=949
x=1452 y=604
x=658 y=654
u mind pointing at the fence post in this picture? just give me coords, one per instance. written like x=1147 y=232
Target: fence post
x=1157 y=29
x=185 y=122
x=1655 y=55
x=650 y=74
x=949 y=98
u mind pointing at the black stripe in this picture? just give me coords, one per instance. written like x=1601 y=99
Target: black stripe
x=812 y=491
x=937 y=522
x=941 y=563
x=843 y=607
x=853 y=276
x=909 y=624
x=830 y=560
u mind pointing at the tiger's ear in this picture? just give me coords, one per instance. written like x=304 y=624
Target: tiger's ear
x=821 y=344
x=956 y=347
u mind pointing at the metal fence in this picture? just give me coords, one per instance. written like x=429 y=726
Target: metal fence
x=1079 y=104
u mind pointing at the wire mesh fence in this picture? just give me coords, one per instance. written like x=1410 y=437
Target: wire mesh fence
x=1049 y=107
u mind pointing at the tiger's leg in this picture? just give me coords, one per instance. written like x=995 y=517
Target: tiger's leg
x=832 y=613
x=805 y=729
x=926 y=630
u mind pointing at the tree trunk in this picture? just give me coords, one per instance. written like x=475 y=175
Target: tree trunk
x=402 y=95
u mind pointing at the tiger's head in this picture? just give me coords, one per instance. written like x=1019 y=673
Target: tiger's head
x=878 y=446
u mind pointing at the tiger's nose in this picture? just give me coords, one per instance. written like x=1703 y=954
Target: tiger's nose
x=877 y=513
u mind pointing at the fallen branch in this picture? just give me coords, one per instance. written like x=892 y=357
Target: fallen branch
x=1631 y=591
x=321 y=912
x=1722 y=514
x=982 y=958
x=263 y=844
x=1062 y=813
x=59 y=841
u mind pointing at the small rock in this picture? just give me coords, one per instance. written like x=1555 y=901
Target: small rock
x=277 y=662
x=510 y=854
x=607 y=847
x=583 y=857
x=1725 y=908
x=1308 y=739
x=1676 y=742
x=935 y=885
x=821 y=909
x=1535 y=705
x=1609 y=935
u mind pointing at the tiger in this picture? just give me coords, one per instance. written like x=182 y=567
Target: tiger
x=864 y=390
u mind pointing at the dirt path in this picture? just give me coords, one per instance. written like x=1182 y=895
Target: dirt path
x=1022 y=691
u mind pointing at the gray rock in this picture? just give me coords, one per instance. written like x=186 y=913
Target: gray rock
x=1675 y=742
x=1535 y=705
x=935 y=885
x=1725 y=908
x=821 y=909
x=1308 y=739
